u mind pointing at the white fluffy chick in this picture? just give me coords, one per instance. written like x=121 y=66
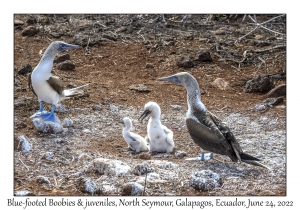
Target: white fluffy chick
x=134 y=141
x=160 y=137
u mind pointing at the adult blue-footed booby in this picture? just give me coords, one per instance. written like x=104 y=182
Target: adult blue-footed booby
x=134 y=141
x=46 y=87
x=206 y=129
x=160 y=137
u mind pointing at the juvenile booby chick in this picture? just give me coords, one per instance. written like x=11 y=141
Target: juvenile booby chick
x=160 y=137
x=206 y=129
x=134 y=141
x=49 y=88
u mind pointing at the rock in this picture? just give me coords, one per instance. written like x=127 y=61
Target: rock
x=177 y=107
x=140 y=88
x=62 y=58
x=260 y=107
x=268 y=103
x=30 y=31
x=66 y=65
x=132 y=188
x=24 y=144
x=86 y=130
x=180 y=154
x=85 y=184
x=31 y=20
x=27 y=68
x=67 y=123
x=258 y=37
x=206 y=180
x=220 y=32
x=19 y=102
x=48 y=126
x=277 y=91
x=143 y=168
x=97 y=107
x=149 y=65
x=185 y=62
x=42 y=180
x=48 y=156
x=60 y=108
x=121 y=29
x=110 y=167
x=203 y=56
x=18 y=22
x=113 y=109
x=220 y=83
x=259 y=84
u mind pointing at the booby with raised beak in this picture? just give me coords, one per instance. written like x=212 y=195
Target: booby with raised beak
x=206 y=129
x=49 y=88
x=134 y=141
x=159 y=136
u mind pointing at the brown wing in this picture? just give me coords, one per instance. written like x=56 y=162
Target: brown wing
x=208 y=136
x=29 y=83
x=56 y=84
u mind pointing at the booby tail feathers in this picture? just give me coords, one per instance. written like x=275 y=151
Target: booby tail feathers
x=245 y=156
x=74 y=91
x=252 y=160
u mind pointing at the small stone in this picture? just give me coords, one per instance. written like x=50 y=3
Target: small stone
x=203 y=56
x=132 y=188
x=177 y=107
x=260 y=107
x=27 y=68
x=185 y=62
x=260 y=83
x=110 y=167
x=258 y=37
x=97 y=107
x=48 y=156
x=30 y=31
x=66 y=66
x=219 y=32
x=48 y=126
x=67 y=123
x=18 y=22
x=62 y=58
x=113 y=109
x=121 y=29
x=149 y=65
x=31 y=20
x=143 y=168
x=85 y=184
x=220 y=83
x=140 y=88
x=24 y=144
x=206 y=180
x=86 y=130
x=180 y=154
x=42 y=180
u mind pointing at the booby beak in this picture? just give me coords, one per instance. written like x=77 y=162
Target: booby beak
x=144 y=114
x=122 y=122
x=172 y=78
x=65 y=46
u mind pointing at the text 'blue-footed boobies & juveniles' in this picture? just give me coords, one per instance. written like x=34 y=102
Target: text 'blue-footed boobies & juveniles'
x=134 y=141
x=49 y=88
x=160 y=137
x=206 y=129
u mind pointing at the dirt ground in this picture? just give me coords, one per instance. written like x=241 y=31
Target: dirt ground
x=119 y=51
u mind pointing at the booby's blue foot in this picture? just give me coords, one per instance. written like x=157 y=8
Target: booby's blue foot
x=49 y=116
x=202 y=157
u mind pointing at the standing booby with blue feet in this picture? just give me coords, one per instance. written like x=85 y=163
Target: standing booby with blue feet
x=160 y=137
x=134 y=141
x=206 y=129
x=49 y=88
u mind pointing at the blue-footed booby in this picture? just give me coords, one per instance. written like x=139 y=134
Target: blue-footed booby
x=134 y=141
x=206 y=129
x=160 y=137
x=49 y=88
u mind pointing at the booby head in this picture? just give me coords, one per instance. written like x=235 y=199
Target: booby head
x=150 y=108
x=127 y=122
x=60 y=46
x=182 y=78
